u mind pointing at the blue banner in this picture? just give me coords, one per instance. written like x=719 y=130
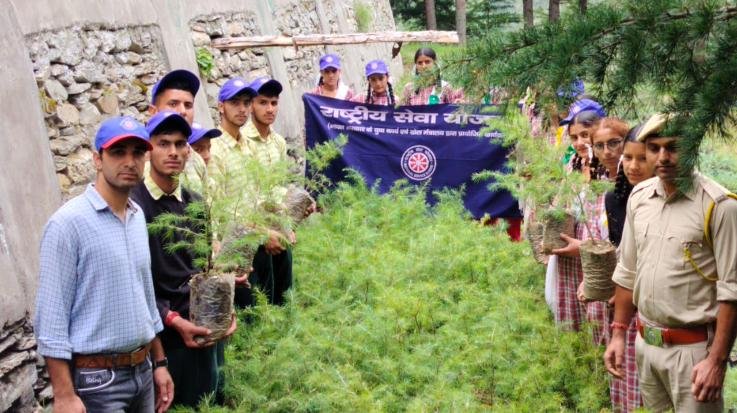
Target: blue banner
x=439 y=143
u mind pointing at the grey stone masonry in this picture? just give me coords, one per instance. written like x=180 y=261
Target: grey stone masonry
x=85 y=74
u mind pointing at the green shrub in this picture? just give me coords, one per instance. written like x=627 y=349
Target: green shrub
x=401 y=307
x=364 y=16
x=205 y=61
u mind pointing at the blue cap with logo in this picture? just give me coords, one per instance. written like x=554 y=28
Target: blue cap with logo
x=187 y=79
x=233 y=87
x=117 y=129
x=330 y=60
x=583 y=105
x=376 y=67
x=167 y=120
x=266 y=85
x=198 y=133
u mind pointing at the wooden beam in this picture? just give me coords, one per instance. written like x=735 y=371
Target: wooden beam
x=431 y=36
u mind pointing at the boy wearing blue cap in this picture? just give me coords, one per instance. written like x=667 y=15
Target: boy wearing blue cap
x=330 y=84
x=193 y=365
x=234 y=106
x=175 y=92
x=273 y=262
x=380 y=90
x=200 y=140
x=96 y=319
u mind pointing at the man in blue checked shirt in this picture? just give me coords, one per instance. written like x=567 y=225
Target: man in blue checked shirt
x=96 y=317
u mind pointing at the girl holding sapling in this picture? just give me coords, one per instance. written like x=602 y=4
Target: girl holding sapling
x=606 y=137
x=581 y=121
x=428 y=88
x=633 y=169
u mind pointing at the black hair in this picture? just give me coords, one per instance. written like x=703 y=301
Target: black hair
x=623 y=187
x=168 y=130
x=174 y=84
x=588 y=119
x=321 y=82
x=390 y=93
x=269 y=93
x=426 y=51
x=245 y=93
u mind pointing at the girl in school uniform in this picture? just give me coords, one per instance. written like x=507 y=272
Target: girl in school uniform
x=428 y=88
x=330 y=84
x=380 y=90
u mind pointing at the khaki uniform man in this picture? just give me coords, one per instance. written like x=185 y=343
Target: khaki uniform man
x=683 y=284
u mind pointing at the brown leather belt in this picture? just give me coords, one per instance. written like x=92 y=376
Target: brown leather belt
x=111 y=361
x=674 y=336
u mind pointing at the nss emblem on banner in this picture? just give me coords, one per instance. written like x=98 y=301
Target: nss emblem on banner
x=439 y=146
x=418 y=163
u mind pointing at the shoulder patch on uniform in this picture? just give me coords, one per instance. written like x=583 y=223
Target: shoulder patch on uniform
x=715 y=191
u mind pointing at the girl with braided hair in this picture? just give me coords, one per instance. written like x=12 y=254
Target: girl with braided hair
x=330 y=84
x=582 y=120
x=632 y=169
x=380 y=90
x=428 y=88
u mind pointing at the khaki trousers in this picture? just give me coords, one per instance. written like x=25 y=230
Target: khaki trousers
x=665 y=377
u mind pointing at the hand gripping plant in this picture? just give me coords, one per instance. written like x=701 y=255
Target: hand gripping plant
x=538 y=176
x=223 y=231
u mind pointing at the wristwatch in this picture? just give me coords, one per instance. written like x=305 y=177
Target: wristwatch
x=161 y=363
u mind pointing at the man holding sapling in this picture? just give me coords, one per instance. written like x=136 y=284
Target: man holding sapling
x=96 y=318
x=679 y=268
x=192 y=358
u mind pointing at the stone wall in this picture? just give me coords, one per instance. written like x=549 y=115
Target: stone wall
x=85 y=73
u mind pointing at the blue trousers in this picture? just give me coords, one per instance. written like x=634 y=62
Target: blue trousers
x=123 y=389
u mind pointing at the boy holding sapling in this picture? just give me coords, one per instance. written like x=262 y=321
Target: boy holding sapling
x=269 y=149
x=192 y=356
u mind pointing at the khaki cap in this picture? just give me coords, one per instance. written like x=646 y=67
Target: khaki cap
x=653 y=126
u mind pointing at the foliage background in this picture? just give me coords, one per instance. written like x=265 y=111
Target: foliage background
x=398 y=307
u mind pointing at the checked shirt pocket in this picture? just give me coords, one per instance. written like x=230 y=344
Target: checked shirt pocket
x=93 y=380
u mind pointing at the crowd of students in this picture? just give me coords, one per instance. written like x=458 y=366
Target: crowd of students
x=427 y=88
x=112 y=316
x=112 y=311
x=670 y=325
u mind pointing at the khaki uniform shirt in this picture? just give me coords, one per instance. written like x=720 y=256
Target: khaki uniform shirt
x=194 y=171
x=666 y=289
x=268 y=151
x=221 y=150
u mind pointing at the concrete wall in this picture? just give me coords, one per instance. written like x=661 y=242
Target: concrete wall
x=39 y=154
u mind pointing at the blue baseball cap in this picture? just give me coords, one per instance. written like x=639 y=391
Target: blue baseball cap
x=198 y=132
x=376 y=67
x=330 y=60
x=120 y=128
x=572 y=91
x=583 y=105
x=169 y=120
x=190 y=81
x=265 y=84
x=233 y=87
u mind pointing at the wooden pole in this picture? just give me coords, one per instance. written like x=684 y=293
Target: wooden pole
x=461 y=20
x=334 y=39
x=528 y=12
x=432 y=21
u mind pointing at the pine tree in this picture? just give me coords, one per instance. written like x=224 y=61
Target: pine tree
x=684 y=51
